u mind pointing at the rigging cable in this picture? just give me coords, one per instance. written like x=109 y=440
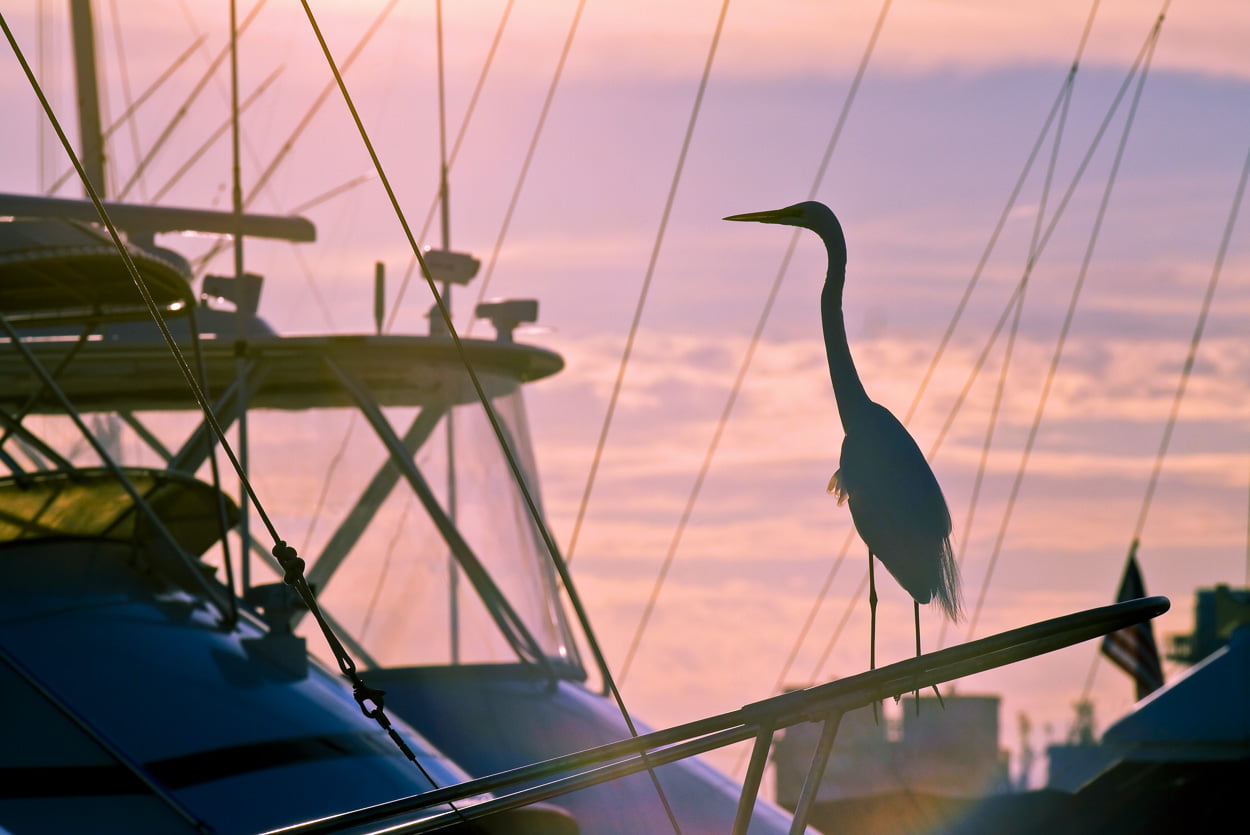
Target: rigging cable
x=212 y=138
x=517 y=474
x=1186 y=370
x=633 y=333
x=1060 y=99
x=529 y=153
x=186 y=105
x=1040 y=246
x=289 y=144
x=1065 y=102
x=369 y=699
x=124 y=75
x=43 y=43
x=130 y=111
x=241 y=315
x=455 y=150
x=757 y=335
x=141 y=506
x=429 y=218
x=785 y=265
x=720 y=426
x=782 y=270
x=1068 y=317
x=223 y=525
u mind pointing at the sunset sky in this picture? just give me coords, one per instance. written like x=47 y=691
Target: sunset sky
x=950 y=106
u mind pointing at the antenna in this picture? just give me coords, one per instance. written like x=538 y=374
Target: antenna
x=379 y=295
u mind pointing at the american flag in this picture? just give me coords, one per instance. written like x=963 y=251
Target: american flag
x=1133 y=648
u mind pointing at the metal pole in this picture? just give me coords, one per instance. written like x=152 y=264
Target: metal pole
x=751 y=784
x=241 y=314
x=89 y=131
x=453 y=569
x=811 y=786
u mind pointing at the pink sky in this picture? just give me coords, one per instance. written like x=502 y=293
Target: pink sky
x=947 y=113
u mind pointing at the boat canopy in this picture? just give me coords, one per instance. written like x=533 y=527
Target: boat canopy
x=63 y=271
x=93 y=503
x=289 y=373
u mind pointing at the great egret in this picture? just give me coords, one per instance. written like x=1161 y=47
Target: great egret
x=896 y=503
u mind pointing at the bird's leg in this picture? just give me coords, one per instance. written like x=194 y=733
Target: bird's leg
x=936 y=692
x=916 y=607
x=872 y=616
x=872 y=627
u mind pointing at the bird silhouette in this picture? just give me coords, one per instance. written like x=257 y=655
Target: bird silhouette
x=895 y=500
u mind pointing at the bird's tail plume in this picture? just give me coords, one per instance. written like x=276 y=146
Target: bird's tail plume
x=947 y=593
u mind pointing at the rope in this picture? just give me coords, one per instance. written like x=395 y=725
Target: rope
x=986 y=446
x=448 y=162
x=629 y=347
x=837 y=632
x=129 y=112
x=519 y=477
x=1040 y=247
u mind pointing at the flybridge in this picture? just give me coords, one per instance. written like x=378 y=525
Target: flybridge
x=142 y=222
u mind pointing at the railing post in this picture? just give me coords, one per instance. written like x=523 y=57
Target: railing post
x=751 y=784
x=811 y=786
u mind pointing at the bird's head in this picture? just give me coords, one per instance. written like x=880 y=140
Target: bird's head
x=809 y=215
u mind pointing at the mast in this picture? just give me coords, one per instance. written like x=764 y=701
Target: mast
x=90 y=134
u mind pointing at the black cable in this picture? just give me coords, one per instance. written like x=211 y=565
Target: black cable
x=519 y=477
x=784 y=268
x=180 y=359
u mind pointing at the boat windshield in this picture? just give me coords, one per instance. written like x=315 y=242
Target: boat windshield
x=404 y=593
x=434 y=560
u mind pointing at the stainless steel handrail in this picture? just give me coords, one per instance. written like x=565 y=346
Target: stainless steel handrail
x=826 y=703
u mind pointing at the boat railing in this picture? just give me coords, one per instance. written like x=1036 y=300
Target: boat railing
x=824 y=703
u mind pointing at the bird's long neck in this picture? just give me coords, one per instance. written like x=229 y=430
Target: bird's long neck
x=847 y=388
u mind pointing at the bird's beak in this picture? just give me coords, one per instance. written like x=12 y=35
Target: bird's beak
x=772 y=216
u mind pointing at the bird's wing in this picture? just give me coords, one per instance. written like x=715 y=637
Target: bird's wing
x=898 y=508
x=837 y=487
x=882 y=467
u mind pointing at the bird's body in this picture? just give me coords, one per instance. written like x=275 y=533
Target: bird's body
x=890 y=489
x=895 y=500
